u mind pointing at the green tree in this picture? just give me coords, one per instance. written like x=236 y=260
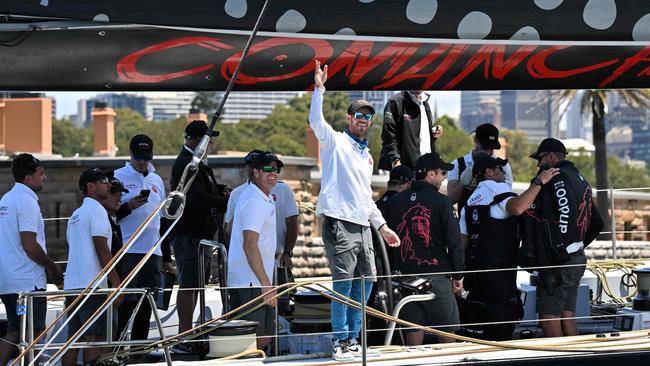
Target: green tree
x=454 y=142
x=69 y=140
x=206 y=102
x=518 y=150
x=167 y=136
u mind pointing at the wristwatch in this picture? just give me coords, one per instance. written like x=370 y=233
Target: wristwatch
x=538 y=181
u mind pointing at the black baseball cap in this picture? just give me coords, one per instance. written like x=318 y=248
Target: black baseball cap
x=431 y=161
x=266 y=158
x=23 y=165
x=90 y=176
x=486 y=161
x=251 y=157
x=401 y=174
x=487 y=135
x=197 y=128
x=116 y=184
x=549 y=145
x=141 y=147
x=358 y=104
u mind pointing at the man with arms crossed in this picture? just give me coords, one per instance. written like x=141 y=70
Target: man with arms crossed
x=23 y=259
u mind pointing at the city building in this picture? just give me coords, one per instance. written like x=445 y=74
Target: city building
x=253 y=105
x=530 y=111
x=578 y=124
x=154 y=106
x=478 y=107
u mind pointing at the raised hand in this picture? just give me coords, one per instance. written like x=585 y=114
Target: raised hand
x=320 y=76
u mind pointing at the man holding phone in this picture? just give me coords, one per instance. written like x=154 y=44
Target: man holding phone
x=146 y=191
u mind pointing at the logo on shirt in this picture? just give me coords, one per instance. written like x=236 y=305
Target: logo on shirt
x=475 y=215
x=154 y=189
x=74 y=219
x=407 y=118
x=275 y=198
x=414 y=232
x=4 y=211
x=131 y=186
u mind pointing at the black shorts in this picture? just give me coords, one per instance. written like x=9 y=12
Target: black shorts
x=441 y=312
x=147 y=277
x=186 y=252
x=87 y=310
x=557 y=288
x=39 y=310
x=264 y=316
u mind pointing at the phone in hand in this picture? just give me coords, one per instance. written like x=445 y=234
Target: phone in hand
x=145 y=193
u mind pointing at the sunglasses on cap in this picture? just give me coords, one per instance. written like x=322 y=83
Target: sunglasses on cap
x=269 y=169
x=359 y=115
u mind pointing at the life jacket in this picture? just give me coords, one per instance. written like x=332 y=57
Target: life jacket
x=493 y=296
x=493 y=244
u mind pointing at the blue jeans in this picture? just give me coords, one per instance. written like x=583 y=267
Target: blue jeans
x=346 y=321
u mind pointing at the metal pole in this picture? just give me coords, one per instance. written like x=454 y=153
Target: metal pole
x=363 y=320
x=613 y=223
x=30 y=323
x=154 y=310
x=23 y=325
x=201 y=284
x=109 y=324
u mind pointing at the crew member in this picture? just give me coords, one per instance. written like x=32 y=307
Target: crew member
x=146 y=191
x=486 y=140
x=569 y=221
x=205 y=202
x=408 y=131
x=253 y=245
x=400 y=178
x=424 y=220
x=490 y=236
x=23 y=261
x=286 y=211
x=89 y=241
x=346 y=205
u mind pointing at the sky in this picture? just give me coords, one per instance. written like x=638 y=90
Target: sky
x=448 y=102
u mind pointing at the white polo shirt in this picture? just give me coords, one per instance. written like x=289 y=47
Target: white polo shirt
x=255 y=211
x=19 y=212
x=134 y=181
x=285 y=207
x=484 y=195
x=469 y=163
x=89 y=220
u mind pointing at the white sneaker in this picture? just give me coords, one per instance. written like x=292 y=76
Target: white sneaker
x=354 y=347
x=340 y=351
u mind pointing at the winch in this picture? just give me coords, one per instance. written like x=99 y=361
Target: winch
x=642 y=299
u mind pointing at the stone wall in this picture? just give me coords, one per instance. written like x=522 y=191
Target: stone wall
x=61 y=195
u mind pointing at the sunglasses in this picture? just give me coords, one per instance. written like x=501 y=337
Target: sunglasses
x=541 y=156
x=366 y=116
x=269 y=169
x=103 y=180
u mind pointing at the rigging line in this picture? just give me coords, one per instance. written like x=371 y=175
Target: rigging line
x=20 y=38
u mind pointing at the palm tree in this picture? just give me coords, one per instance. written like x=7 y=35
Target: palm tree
x=593 y=101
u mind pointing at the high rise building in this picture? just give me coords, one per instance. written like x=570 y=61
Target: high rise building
x=154 y=106
x=621 y=114
x=530 y=111
x=478 y=107
x=253 y=105
x=131 y=101
x=578 y=124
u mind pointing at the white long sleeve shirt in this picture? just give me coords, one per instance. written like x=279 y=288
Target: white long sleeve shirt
x=345 y=191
